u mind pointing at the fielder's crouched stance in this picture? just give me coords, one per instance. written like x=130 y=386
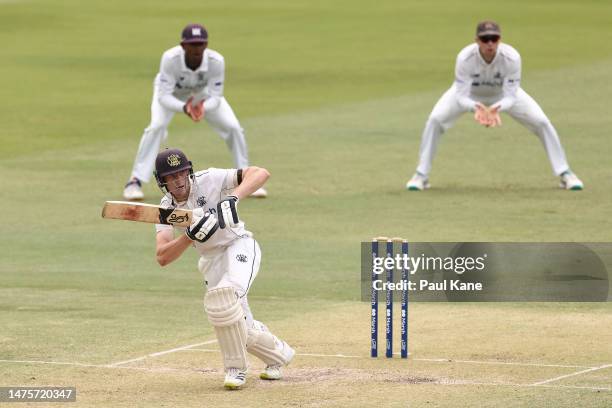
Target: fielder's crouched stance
x=487 y=82
x=191 y=80
x=229 y=257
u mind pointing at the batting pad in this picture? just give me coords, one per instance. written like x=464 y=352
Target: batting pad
x=227 y=317
x=267 y=347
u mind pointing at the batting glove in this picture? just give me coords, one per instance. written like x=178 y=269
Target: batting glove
x=226 y=210
x=203 y=226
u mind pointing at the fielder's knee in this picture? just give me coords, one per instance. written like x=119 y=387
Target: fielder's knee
x=435 y=122
x=236 y=131
x=542 y=123
x=154 y=128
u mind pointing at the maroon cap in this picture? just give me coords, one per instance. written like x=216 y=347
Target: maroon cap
x=194 y=33
x=487 y=28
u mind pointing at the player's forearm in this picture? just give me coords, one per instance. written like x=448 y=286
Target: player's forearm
x=510 y=90
x=171 y=102
x=172 y=250
x=463 y=95
x=467 y=103
x=505 y=103
x=253 y=178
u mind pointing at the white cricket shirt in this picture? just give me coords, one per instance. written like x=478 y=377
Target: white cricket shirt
x=210 y=187
x=496 y=83
x=176 y=82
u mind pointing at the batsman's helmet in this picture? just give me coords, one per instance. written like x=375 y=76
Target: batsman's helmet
x=168 y=162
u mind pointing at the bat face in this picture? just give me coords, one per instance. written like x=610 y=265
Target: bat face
x=141 y=212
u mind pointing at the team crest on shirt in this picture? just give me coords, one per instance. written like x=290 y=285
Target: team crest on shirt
x=201 y=201
x=200 y=76
x=174 y=160
x=241 y=258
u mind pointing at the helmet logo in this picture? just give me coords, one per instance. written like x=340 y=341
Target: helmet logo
x=174 y=160
x=196 y=31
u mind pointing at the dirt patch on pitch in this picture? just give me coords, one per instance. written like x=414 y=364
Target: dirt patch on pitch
x=336 y=374
x=409 y=379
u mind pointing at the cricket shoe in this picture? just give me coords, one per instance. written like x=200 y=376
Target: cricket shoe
x=569 y=181
x=234 y=378
x=259 y=193
x=133 y=190
x=418 y=182
x=273 y=372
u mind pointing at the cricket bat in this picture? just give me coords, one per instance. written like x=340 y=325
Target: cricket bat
x=142 y=212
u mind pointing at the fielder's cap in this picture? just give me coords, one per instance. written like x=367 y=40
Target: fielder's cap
x=487 y=27
x=171 y=161
x=194 y=33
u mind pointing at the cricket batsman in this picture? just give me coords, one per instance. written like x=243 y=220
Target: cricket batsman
x=190 y=81
x=487 y=82
x=229 y=257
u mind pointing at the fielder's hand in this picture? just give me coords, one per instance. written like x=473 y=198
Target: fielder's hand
x=203 y=226
x=494 y=118
x=481 y=114
x=226 y=210
x=195 y=112
x=488 y=117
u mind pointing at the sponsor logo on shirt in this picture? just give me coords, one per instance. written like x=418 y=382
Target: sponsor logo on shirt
x=499 y=83
x=187 y=83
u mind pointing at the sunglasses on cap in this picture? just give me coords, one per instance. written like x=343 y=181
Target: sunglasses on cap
x=489 y=38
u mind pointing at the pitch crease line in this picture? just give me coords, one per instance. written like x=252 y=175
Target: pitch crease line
x=561 y=377
x=52 y=362
x=161 y=353
x=443 y=360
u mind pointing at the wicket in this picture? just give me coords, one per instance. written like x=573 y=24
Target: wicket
x=389 y=301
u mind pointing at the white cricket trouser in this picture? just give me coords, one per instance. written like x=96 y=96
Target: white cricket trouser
x=222 y=120
x=525 y=110
x=237 y=266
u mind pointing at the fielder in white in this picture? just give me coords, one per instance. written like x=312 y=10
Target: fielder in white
x=190 y=81
x=487 y=82
x=229 y=257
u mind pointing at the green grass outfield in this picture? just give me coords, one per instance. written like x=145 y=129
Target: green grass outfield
x=333 y=96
